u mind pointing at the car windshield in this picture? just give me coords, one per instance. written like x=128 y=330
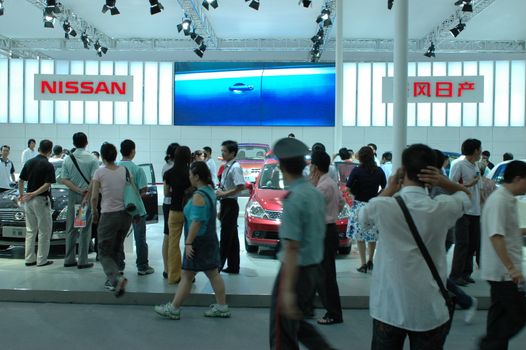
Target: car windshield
x=251 y=153
x=271 y=178
x=344 y=169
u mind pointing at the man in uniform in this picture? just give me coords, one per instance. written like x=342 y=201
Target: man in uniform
x=301 y=234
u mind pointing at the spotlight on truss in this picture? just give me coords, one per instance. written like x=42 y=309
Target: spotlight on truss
x=100 y=49
x=85 y=40
x=325 y=17
x=467 y=6
x=2 y=7
x=390 y=4
x=184 y=26
x=200 y=51
x=198 y=39
x=305 y=3
x=458 y=28
x=68 y=30
x=49 y=18
x=110 y=5
x=430 y=51
x=210 y=3
x=253 y=4
x=155 y=7
x=318 y=36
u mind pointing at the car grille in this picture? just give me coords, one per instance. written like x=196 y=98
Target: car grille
x=273 y=215
x=12 y=215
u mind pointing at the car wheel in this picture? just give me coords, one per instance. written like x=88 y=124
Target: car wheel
x=344 y=250
x=250 y=248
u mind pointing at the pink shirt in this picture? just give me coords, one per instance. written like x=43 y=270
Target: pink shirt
x=333 y=198
x=111 y=188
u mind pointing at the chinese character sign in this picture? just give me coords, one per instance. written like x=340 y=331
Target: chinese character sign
x=438 y=89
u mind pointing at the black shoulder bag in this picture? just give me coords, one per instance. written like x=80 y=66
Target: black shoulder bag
x=450 y=302
x=78 y=168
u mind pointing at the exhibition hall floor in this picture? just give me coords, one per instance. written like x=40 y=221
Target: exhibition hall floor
x=251 y=288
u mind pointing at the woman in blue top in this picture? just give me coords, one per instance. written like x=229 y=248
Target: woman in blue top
x=201 y=246
x=364 y=182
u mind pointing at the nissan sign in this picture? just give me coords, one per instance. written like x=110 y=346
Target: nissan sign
x=60 y=87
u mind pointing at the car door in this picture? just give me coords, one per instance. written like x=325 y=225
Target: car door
x=150 y=197
x=218 y=98
x=298 y=96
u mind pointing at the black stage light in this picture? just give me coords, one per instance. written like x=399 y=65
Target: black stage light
x=85 y=40
x=49 y=18
x=207 y=3
x=390 y=4
x=467 y=6
x=200 y=50
x=155 y=7
x=319 y=35
x=185 y=26
x=100 y=49
x=430 y=51
x=2 y=7
x=325 y=17
x=305 y=3
x=253 y=4
x=459 y=28
x=54 y=6
x=198 y=39
x=68 y=30
x=110 y=5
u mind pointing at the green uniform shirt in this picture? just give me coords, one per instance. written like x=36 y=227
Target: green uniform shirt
x=136 y=172
x=88 y=164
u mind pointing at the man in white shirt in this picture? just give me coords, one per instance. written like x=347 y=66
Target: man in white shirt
x=405 y=299
x=211 y=164
x=29 y=152
x=467 y=228
x=386 y=164
x=501 y=261
x=7 y=170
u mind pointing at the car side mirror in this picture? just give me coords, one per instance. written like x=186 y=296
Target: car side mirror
x=250 y=187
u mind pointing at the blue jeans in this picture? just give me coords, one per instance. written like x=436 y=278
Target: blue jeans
x=141 y=247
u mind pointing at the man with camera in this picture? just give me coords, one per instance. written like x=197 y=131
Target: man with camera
x=501 y=259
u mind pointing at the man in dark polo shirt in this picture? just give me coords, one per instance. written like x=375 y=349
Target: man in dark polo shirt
x=39 y=174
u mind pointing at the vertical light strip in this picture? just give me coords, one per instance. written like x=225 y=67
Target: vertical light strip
x=518 y=93
x=150 y=93
x=469 y=110
x=47 y=109
x=106 y=107
x=349 y=94
x=4 y=90
x=16 y=91
x=378 y=108
x=486 y=108
x=364 y=94
x=30 y=104
x=390 y=106
x=438 y=115
x=121 y=108
x=77 y=107
x=454 y=110
x=136 y=107
x=423 y=117
x=62 y=107
x=502 y=93
x=91 y=107
x=411 y=107
x=166 y=93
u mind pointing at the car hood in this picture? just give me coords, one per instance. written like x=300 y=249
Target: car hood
x=270 y=199
x=9 y=199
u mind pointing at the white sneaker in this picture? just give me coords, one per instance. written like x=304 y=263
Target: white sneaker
x=168 y=310
x=217 y=310
x=470 y=312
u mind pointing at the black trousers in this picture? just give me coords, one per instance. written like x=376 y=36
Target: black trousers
x=467 y=243
x=284 y=333
x=229 y=244
x=506 y=315
x=387 y=337
x=327 y=285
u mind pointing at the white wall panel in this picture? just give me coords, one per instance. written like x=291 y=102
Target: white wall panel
x=349 y=94
x=151 y=96
x=76 y=114
x=4 y=90
x=469 y=110
x=32 y=67
x=16 y=91
x=62 y=107
x=47 y=108
x=423 y=114
x=486 y=112
x=378 y=108
x=106 y=107
x=166 y=93
x=121 y=108
x=136 y=107
x=91 y=107
x=502 y=93
x=364 y=94
x=518 y=93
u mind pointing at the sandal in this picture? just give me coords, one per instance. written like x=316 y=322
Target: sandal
x=328 y=320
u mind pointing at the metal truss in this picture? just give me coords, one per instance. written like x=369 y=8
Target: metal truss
x=440 y=33
x=12 y=49
x=331 y=5
x=199 y=21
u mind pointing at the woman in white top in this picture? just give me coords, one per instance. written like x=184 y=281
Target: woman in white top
x=114 y=221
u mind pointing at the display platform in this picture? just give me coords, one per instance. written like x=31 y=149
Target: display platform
x=251 y=288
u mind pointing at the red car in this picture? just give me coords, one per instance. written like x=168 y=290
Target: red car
x=264 y=208
x=250 y=157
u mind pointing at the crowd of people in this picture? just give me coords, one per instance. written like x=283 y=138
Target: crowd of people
x=415 y=213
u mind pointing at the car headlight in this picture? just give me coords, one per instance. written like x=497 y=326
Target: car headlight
x=345 y=213
x=63 y=215
x=255 y=210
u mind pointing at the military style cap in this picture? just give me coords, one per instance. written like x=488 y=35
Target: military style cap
x=290 y=148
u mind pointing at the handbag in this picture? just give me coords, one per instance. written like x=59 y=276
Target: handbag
x=133 y=203
x=448 y=296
